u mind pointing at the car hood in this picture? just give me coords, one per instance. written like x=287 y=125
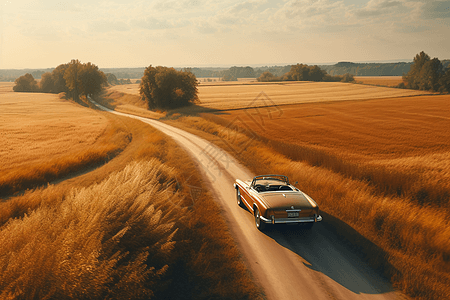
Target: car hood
x=279 y=200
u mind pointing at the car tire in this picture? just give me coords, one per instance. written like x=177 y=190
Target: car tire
x=238 y=198
x=259 y=224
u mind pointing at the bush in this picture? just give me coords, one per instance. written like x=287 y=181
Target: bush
x=347 y=77
x=229 y=77
x=267 y=77
x=167 y=88
x=26 y=83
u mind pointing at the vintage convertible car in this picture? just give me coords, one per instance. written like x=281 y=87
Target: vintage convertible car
x=274 y=201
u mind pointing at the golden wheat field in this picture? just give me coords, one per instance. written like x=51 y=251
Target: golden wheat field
x=132 y=89
x=250 y=95
x=379 y=80
x=41 y=126
x=6 y=87
x=377 y=129
x=44 y=137
x=236 y=95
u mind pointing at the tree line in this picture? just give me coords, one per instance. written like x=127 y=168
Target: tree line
x=74 y=78
x=427 y=74
x=302 y=72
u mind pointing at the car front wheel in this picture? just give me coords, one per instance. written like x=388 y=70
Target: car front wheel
x=259 y=223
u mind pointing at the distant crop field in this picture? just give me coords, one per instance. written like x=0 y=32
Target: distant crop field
x=258 y=94
x=242 y=94
x=380 y=80
x=6 y=87
x=132 y=89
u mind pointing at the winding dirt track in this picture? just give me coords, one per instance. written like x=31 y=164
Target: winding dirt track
x=288 y=263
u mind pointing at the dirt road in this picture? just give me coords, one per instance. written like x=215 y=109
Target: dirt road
x=288 y=263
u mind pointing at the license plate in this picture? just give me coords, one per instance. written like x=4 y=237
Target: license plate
x=293 y=214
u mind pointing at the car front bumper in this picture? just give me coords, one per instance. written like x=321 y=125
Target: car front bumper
x=291 y=220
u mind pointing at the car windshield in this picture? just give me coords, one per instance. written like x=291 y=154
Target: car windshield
x=271 y=188
x=271 y=183
x=281 y=179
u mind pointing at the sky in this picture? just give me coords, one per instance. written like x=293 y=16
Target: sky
x=124 y=33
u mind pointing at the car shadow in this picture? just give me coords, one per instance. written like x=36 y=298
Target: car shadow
x=344 y=257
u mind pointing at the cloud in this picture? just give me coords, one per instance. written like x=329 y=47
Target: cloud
x=205 y=26
x=153 y=23
x=436 y=10
x=401 y=28
x=57 y=5
x=109 y=25
x=309 y=8
x=251 y=6
x=165 y=5
x=379 y=8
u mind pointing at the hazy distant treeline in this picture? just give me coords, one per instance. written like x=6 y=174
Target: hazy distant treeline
x=9 y=75
x=341 y=68
x=372 y=69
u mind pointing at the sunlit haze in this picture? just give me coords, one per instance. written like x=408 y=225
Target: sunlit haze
x=123 y=33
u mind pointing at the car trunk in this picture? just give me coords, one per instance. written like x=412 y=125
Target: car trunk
x=280 y=203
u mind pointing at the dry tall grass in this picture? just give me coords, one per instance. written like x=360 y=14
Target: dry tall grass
x=139 y=234
x=415 y=238
x=111 y=240
x=35 y=152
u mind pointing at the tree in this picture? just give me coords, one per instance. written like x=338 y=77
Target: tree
x=90 y=79
x=59 y=83
x=426 y=74
x=267 y=76
x=430 y=75
x=301 y=72
x=413 y=79
x=112 y=79
x=166 y=88
x=229 y=77
x=347 y=77
x=46 y=84
x=445 y=81
x=316 y=74
x=71 y=78
x=26 y=83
